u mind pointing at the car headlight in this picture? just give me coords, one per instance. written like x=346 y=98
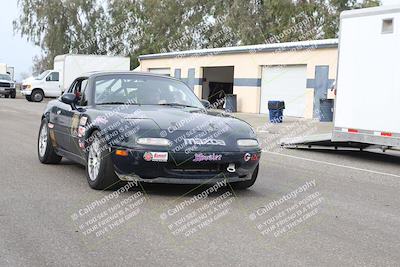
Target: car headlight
x=153 y=141
x=247 y=142
x=12 y=85
x=27 y=87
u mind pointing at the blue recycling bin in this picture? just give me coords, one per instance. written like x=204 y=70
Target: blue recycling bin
x=276 y=111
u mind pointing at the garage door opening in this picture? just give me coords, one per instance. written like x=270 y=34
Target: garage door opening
x=217 y=82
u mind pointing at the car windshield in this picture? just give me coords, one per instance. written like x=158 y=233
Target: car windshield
x=41 y=76
x=143 y=90
x=5 y=77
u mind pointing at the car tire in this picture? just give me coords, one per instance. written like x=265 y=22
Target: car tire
x=247 y=184
x=28 y=97
x=100 y=171
x=6 y=96
x=37 y=96
x=46 y=152
x=13 y=94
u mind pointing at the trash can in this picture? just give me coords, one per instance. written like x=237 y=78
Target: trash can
x=276 y=111
x=231 y=103
x=326 y=110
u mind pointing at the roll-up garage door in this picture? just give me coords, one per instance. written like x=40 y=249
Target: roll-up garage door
x=287 y=83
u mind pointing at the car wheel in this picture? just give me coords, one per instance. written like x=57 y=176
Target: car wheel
x=13 y=95
x=46 y=152
x=99 y=168
x=247 y=184
x=6 y=96
x=28 y=97
x=37 y=96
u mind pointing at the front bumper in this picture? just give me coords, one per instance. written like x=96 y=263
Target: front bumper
x=26 y=92
x=6 y=90
x=182 y=169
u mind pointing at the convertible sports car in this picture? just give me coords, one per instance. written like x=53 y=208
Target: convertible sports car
x=127 y=126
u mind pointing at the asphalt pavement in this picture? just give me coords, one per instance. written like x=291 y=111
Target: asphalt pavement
x=307 y=208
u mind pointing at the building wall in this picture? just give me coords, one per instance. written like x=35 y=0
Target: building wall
x=248 y=69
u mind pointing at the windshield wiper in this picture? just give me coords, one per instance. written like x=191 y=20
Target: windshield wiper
x=177 y=105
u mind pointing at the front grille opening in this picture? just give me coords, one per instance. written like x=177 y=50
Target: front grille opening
x=7 y=85
x=193 y=167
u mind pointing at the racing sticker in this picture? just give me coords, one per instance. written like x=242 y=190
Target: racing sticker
x=207 y=141
x=74 y=124
x=81 y=144
x=255 y=157
x=199 y=157
x=83 y=121
x=251 y=157
x=81 y=131
x=156 y=156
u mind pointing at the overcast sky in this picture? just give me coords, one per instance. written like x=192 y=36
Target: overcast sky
x=16 y=51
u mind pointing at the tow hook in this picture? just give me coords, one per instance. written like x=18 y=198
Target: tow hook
x=231 y=167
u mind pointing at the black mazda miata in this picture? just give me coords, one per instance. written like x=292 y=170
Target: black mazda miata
x=126 y=126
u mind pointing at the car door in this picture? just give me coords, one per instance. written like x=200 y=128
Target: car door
x=79 y=118
x=52 y=84
x=61 y=116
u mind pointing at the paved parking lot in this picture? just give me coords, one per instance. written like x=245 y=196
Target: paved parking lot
x=307 y=208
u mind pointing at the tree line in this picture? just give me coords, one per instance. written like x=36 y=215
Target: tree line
x=135 y=27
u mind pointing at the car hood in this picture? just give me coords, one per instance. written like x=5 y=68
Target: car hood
x=5 y=81
x=177 y=118
x=178 y=124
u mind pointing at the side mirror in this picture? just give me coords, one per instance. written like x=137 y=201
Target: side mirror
x=48 y=78
x=69 y=99
x=206 y=103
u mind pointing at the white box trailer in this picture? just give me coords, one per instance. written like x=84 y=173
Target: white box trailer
x=367 y=105
x=3 y=68
x=10 y=71
x=52 y=83
x=71 y=66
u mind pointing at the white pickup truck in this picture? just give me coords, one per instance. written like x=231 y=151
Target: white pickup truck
x=7 y=86
x=52 y=83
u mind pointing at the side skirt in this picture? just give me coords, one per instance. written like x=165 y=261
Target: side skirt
x=71 y=156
